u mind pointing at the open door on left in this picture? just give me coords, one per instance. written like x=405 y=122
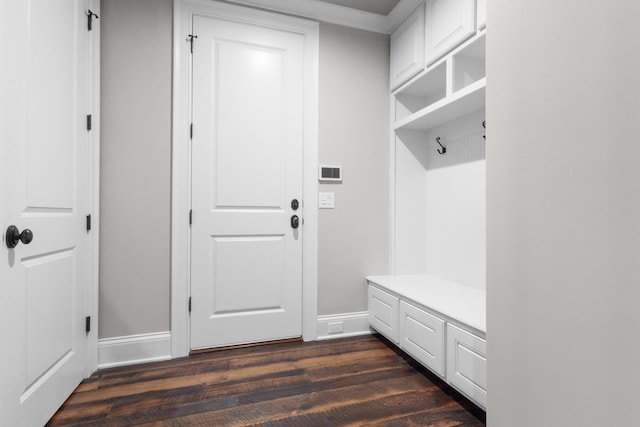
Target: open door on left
x=45 y=272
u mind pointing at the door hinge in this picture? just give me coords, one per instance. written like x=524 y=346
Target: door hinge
x=87 y=324
x=88 y=121
x=191 y=37
x=88 y=222
x=190 y=216
x=191 y=131
x=189 y=304
x=90 y=16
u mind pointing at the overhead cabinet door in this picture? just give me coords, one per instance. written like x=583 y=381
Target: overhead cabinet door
x=407 y=48
x=448 y=23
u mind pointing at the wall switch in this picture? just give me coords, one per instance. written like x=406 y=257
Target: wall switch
x=335 y=328
x=326 y=201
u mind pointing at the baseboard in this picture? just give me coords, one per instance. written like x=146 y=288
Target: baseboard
x=343 y=325
x=132 y=349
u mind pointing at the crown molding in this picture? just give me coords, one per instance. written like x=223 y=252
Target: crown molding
x=336 y=14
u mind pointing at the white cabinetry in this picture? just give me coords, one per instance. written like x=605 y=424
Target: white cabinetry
x=467 y=363
x=481 y=14
x=448 y=23
x=407 y=48
x=383 y=313
x=433 y=307
x=440 y=323
x=422 y=336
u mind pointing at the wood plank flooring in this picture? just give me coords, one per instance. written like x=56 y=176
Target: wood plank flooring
x=345 y=382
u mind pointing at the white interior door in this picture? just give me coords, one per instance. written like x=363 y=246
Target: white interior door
x=246 y=260
x=44 y=188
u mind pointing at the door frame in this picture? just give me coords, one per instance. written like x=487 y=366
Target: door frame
x=183 y=12
x=93 y=291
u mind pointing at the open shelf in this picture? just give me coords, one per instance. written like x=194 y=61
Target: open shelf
x=469 y=64
x=469 y=99
x=426 y=89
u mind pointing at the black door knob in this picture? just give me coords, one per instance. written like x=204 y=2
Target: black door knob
x=295 y=221
x=14 y=236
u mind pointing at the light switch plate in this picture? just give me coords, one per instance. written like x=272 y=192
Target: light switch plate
x=326 y=200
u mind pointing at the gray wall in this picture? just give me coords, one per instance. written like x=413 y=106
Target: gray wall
x=353 y=133
x=136 y=166
x=563 y=187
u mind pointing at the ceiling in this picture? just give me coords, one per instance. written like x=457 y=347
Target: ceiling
x=381 y=16
x=381 y=7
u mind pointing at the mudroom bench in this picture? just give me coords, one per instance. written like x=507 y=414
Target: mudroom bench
x=441 y=324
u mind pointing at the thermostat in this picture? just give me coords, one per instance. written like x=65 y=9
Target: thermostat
x=330 y=173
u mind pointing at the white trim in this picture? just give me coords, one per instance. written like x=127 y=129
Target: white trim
x=353 y=324
x=184 y=10
x=132 y=349
x=340 y=15
x=94 y=192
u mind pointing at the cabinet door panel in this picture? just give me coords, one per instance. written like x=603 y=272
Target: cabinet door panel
x=467 y=364
x=422 y=336
x=481 y=14
x=383 y=313
x=407 y=48
x=448 y=23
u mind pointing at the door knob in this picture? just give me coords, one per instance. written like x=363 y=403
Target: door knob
x=295 y=221
x=14 y=236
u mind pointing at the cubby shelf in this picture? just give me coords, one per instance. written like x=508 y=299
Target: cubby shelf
x=451 y=88
x=466 y=100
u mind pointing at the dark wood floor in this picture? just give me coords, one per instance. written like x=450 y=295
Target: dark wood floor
x=352 y=381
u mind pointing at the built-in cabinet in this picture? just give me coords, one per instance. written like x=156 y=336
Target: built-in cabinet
x=439 y=323
x=448 y=23
x=433 y=305
x=407 y=48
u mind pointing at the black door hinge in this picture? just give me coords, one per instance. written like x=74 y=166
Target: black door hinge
x=88 y=121
x=88 y=222
x=190 y=216
x=90 y=16
x=189 y=304
x=191 y=131
x=87 y=324
x=191 y=37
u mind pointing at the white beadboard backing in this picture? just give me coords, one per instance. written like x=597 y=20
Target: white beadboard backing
x=133 y=349
x=441 y=202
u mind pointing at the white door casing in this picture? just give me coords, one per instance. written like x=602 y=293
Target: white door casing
x=246 y=258
x=47 y=287
x=184 y=13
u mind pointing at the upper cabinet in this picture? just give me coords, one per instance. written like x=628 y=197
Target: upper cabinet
x=407 y=48
x=448 y=23
x=482 y=14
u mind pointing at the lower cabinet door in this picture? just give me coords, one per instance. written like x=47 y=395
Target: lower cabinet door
x=467 y=364
x=383 y=313
x=422 y=336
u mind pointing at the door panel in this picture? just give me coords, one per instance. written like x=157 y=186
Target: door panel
x=246 y=261
x=45 y=282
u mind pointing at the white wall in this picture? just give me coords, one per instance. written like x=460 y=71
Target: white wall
x=563 y=200
x=135 y=166
x=353 y=239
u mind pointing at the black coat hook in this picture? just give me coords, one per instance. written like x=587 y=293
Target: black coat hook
x=484 y=125
x=444 y=149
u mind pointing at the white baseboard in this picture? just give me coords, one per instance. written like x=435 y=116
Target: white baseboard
x=132 y=349
x=343 y=325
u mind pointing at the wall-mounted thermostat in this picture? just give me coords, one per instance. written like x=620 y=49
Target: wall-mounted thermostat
x=330 y=173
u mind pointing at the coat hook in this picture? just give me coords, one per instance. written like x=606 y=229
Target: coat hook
x=484 y=125
x=444 y=149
